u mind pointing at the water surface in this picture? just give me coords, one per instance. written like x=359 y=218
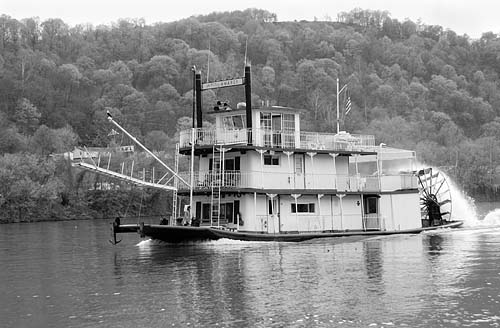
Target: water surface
x=67 y=274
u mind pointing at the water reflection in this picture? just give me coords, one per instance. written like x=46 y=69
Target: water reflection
x=69 y=275
x=373 y=260
x=434 y=242
x=281 y=283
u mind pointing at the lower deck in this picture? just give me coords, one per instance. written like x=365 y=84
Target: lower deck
x=295 y=213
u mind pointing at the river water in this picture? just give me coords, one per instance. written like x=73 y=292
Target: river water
x=67 y=274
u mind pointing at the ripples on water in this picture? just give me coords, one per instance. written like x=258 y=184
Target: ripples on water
x=66 y=274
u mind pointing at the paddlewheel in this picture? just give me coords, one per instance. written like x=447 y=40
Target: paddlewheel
x=435 y=197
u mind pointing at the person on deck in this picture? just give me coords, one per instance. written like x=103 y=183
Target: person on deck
x=187 y=215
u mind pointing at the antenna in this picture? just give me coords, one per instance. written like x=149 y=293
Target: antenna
x=208 y=58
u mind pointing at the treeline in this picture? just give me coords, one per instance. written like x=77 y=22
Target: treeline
x=412 y=85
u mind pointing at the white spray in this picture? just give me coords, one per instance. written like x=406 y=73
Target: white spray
x=463 y=206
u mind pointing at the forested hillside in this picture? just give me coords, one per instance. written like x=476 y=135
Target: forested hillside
x=412 y=85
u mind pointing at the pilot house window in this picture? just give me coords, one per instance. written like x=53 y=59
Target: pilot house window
x=234 y=122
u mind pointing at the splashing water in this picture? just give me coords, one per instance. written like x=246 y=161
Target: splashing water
x=464 y=208
x=491 y=219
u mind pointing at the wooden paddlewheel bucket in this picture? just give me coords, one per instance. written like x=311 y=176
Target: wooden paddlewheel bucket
x=435 y=197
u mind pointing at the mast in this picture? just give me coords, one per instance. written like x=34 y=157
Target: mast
x=338 y=110
x=193 y=69
x=338 y=104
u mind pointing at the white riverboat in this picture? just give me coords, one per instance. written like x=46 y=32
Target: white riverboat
x=255 y=175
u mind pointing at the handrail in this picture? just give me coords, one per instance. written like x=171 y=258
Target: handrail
x=278 y=139
x=205 y=180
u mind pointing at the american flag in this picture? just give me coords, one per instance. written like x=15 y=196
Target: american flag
x=347 y=103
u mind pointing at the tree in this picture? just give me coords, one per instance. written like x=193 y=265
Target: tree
x=26 y=116
x=43 y=141
x=11 y=141
x=157 y=140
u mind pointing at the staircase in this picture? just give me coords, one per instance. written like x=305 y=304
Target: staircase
x=216 y=184
x=176 y=184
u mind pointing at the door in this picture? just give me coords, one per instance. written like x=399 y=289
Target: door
x=273 y=222
x=299 y=177
x=205 y=218
x=277 y=130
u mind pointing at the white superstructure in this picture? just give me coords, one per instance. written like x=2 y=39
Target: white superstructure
x=276 y=178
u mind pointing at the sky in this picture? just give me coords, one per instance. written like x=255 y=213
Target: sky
x=462 y=16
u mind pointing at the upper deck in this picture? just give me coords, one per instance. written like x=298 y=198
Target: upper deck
x=278 y=139
x=274 y=128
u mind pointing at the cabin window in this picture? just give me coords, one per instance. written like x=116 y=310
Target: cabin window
x=230 y=164
x=289 y=122
x=299 y=165
x=303 y=208
x=234 y=122
x=371 y=205
x=265 y=121
x=271 y=160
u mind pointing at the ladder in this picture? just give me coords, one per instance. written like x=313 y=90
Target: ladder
x=216 y=184
x=176 y=185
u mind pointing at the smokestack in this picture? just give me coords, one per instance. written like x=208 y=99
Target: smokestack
x=199 y=117
x=248 y=99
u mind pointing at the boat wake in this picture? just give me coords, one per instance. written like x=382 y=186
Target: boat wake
x=223 y=241
x=492 y=219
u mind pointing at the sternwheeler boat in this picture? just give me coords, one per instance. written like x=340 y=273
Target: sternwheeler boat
x=256 y=176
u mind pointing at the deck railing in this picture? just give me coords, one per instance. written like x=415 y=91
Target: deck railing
x=278 y=139
x=315 y=223
x=288 y=181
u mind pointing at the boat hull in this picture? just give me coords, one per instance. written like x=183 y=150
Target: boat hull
x=181 y=234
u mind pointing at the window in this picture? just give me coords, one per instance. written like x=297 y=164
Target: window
x=234 y=122
x=299 y=164
x=303 y=208
x=288 y=122
x=271 y=160
x=265 y=121
x=230 y=164
x=239 y=121
x=371 y=205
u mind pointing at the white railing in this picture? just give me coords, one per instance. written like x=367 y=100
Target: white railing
x=293 y=223
x=289 y=181
x=397 y=182
x=279 y=139
x=371 y=221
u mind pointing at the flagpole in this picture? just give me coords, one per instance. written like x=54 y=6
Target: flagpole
x=338 y=110
x=338 y=104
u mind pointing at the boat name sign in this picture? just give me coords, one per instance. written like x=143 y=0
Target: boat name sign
x=222 y=84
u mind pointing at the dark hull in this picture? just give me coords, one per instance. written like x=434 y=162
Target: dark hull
x=178 y=234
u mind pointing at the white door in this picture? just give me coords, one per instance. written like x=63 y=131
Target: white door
x=299 y=171
x=273 y=222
